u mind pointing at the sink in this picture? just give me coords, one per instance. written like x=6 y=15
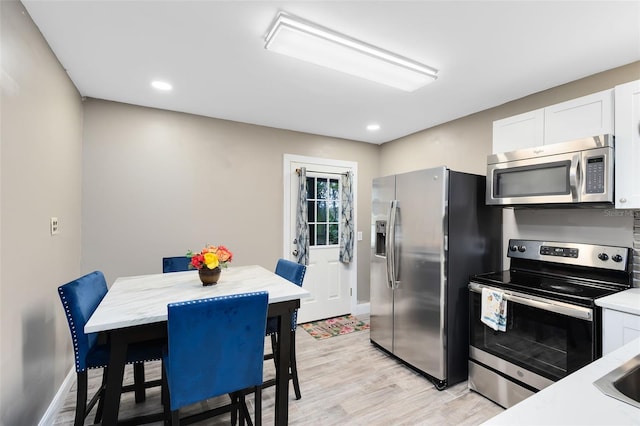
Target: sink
x=623 y=383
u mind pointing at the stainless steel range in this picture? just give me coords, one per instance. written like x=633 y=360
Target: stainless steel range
x=553 y=326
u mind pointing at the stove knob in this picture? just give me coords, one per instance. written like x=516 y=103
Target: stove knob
x=617 y=258
x=513 y=248
x=603 y=256
x=522 y=249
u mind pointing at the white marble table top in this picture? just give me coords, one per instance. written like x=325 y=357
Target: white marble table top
x=143 y=299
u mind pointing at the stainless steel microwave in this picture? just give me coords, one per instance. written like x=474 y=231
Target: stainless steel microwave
x=579 y=171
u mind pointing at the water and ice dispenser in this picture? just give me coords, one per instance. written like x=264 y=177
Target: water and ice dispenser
x=381 y=235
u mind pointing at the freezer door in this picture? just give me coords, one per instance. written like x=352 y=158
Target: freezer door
x=420 y=247
x=381 y=295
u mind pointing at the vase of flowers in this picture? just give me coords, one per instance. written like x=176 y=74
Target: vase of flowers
x=209 y=263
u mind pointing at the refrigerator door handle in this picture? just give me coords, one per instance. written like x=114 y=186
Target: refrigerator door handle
x=388 y=246
x=391 y=245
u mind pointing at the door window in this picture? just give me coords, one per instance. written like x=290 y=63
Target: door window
x=323 y=207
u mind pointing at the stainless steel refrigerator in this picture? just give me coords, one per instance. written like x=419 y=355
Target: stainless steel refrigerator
x=431 y=230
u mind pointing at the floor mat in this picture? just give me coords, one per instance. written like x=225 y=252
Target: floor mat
x=334 y=326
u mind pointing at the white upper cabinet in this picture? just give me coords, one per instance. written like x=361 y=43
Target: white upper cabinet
x=519 y=131
x=586 y=116
x=589 y=115
x=627 y=160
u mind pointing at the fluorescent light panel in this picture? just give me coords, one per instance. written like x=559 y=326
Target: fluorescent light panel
x=309 y=42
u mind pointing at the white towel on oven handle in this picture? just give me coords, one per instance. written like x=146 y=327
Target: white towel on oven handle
x=493 y=311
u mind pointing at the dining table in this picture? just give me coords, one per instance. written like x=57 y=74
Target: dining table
x=135 y=310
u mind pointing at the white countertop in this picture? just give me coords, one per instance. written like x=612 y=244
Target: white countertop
x=143 y=299
x=625 y=301
x=574 y=400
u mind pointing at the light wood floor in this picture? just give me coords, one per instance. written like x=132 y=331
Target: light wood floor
x=344 y=380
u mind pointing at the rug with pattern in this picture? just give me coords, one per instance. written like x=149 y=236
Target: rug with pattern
x=334 y=326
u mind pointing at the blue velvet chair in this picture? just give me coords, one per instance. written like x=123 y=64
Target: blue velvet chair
x=80 y=299
x=293 y=272
x=175 y=264
x=215 y=347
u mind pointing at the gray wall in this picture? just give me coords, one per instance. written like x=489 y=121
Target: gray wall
x=40 y=169
x=156 y=183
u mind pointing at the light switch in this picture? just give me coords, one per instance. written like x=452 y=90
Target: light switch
x=359 y=235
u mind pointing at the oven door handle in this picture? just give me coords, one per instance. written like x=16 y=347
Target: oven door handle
x=539 y=302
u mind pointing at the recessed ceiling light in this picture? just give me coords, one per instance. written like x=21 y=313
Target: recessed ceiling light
x=373 y=127
x=310 y=42
x=161 y=85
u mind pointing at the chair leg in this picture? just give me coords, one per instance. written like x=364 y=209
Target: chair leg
x=294 y=368
x=244 y=411
x=234 y=409
x=258 y=406
x=175 y=418
x=164 y=396
x=81 y=398
x=103 y=388
x=138 y=381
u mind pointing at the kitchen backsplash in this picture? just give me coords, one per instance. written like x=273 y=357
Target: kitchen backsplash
x=636 y=248
x=591 y=226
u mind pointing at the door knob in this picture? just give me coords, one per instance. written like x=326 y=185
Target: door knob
x=295 y=252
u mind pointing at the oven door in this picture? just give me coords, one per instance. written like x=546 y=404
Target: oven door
x=548 y=338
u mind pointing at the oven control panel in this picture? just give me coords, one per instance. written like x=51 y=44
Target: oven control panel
x=590 y=255
x=559 y=251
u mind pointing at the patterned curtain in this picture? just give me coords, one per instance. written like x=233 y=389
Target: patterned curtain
x=346 y=236
x=302 y=227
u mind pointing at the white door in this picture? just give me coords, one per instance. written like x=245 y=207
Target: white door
x=328 y=280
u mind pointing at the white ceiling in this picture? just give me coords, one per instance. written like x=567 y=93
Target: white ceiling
x=487 y=52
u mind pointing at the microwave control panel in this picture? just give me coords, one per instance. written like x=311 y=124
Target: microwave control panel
x=594 y=175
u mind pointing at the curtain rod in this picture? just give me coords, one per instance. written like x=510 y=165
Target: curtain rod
x=325 y=173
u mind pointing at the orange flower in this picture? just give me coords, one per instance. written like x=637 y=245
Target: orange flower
x=224 y=255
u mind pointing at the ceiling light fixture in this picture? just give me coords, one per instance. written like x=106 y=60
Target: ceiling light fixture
x=310 y=42
x=161 y=85
x=373 y=127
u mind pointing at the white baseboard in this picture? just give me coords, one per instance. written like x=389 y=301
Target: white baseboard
x=362 y=309
x=54 y=408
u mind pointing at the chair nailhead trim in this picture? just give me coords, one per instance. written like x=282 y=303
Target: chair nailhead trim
x=233 y=296
x=74 y=335
x=72 y=326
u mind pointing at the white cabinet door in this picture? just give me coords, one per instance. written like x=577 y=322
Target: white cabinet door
x=519 y=131
x=583 y=117
x=586 y=116
x=627 y=159
x=618 y=329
